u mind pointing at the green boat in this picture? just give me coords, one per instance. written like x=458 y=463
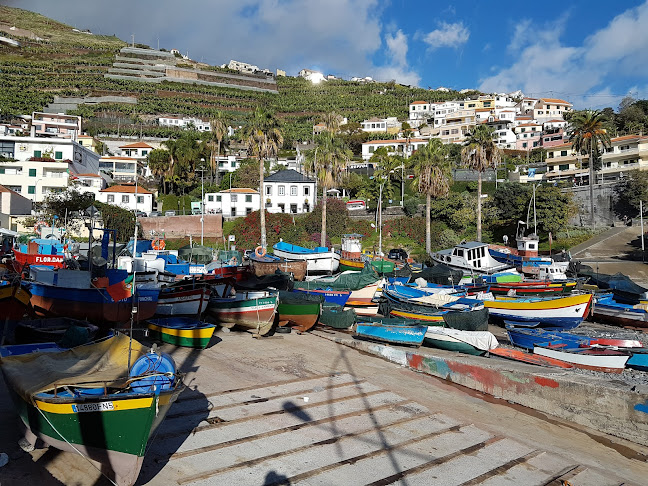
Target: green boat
x=476 y=343
x=335 y=316
x=86 y=400
x=181 y=331
x=299 y=309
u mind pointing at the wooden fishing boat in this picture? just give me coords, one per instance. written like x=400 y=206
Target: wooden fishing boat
x=524 y=357
x=336 y=316
x=385 y=331
x=339 y=297
x=532 y=288
x=184 y=298
x=250 y=310
x=607 y=309
x=472 y=257
x=14 y=300
x=70 y=293
x=638 y=361
x=52 y=330
x=559 y=312
x=269 y=264
x=89 y=402
x=527 y=338
x=476 y=343
x=182 y=331
x=299 y=309
x=595 y=359
x=51 y=260
x=319 y=260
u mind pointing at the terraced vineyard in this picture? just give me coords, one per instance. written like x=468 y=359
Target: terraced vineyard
x=68 y=63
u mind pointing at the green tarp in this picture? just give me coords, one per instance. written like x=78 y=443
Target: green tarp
x=345 y=281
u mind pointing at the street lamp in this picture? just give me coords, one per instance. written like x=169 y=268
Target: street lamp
x=202 y=202
x=230 y=177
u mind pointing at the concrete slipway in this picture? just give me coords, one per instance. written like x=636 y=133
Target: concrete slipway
x=308 y=409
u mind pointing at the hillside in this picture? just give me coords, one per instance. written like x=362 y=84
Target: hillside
x=57 y=60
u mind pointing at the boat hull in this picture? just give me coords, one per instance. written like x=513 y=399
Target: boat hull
x=302 y=316
x=260 y=267
x=316 y=262
x=56 y=261
x=399 y=334
x=250 y=310
x=563 y=312
x=14 y=300
x=182 y=334
x=449 y=344
x=619 y=314
x=612 y=363
x=189 y=302
x=99 y=435
x=339 y=297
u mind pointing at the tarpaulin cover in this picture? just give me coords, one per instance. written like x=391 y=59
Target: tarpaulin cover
x=618 y=281
x=345 y=281
x=105 y=361
x=439 y=274
x=483 y=340
x=299 y=298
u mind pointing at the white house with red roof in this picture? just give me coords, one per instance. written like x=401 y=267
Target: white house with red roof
x=420 y=110
x=233 y=203
x=127 y=196
x=397 y=146
x=528 y=135
x=138 y=150
x=89 y=183
x=120 y=168
x=550 y=108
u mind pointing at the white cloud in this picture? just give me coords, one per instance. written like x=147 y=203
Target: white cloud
x=584 y=73
x=447 y=35
x=397 y=66
x=397 y=47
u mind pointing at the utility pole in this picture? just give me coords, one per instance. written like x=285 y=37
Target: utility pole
x=642 y=231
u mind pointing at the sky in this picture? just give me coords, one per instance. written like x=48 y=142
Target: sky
x=592 y=53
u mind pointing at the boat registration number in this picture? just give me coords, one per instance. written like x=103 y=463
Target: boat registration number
x=93 y=407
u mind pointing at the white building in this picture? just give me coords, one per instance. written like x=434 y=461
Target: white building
x=288 y=191
x=381 y=125
x=57 y=126
x=89 y=183
x=138 y=150
x=242 y=67
x=12 y=204
x=420 y=110
x=126 y=197
x=399 y=146
x=121 y=169
x=185 y=123
x=43 y=166
x=313 y=76
x=233 y=203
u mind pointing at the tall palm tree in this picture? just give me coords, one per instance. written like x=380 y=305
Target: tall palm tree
x=332 y=122
x=158 y=161
x=480 y=153
x=264 y=138
x=432 y=178
x=328 y=162
x=587 y=136
x=172 y=147
x=218 y=131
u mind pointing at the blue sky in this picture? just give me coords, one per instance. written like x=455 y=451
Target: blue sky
x=592 y=53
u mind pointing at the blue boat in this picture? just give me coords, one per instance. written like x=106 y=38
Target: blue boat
x=338 y=297
x=528 y=338
x=19 y=349
x=638 y=361
x=412 y=335
x=318 y=260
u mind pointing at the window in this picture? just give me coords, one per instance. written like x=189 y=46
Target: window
x=58 y=155
x=563 y=167
x=2 y=170
x=563 y=153
x=233 y=213
x=210 y=198
x=293 y=190
x=524 y=145
x=31 y=189
x=306 y=191
x=282 y=190
x=233 y=197
x=144 y=152
x=32 y=172
x=111 y=198
x=218 y=198
x=125 y=199
x=282 y=206
x=233 y=164
x=248 y=211
x=37 y=153
x=248 y=198
x=293 y=208
x=268 y=190
x=140 y=199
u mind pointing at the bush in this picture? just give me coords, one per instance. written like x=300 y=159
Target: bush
x=337 y=218
x=410 y=206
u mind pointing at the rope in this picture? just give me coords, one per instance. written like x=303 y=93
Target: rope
x=72 y=446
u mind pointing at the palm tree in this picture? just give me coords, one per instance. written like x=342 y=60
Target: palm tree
x=264 y=138
x=480 y=153
x=171 y=147
x=432 y=178
x=158 y=162
x=387 y=169
x=587 y=135
x=218 y=131
x=328 y=162
x=332 y=122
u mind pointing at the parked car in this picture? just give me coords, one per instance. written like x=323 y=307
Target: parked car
x=140 y=214
x=169 y=213
x=397 y=254
x=154 y=214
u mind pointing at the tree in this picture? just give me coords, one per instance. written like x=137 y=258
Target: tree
x=630 y=193
x=328 y=162
x=432 y=178
x=480 y=153
x=264 y=138
x=218 y=132
x=63 y=206
x=587 y=136
x=158 y=162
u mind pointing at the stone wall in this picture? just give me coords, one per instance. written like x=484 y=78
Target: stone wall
x=183 y=226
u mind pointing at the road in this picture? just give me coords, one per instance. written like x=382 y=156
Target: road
x=299 y=409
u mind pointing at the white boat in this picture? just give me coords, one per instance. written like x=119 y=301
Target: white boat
x=590 y=359
x=472 y=257
x=318 y=260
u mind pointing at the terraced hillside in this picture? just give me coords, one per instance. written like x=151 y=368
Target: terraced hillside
x=54 y=59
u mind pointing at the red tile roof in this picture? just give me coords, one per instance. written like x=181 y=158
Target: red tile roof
x=395 y=141
x=126 y=188
x=88 y=175
x=136 y=145
x=241 y=190
x=555 y=100
x=419 y=103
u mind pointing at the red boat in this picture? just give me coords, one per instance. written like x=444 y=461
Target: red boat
x=56 y=261
x=14 y=300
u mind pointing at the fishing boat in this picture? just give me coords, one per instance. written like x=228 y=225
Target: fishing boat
x=71 y=293
x=416 y=303
x=620 y=285
x=278 y=281
x=319 y=259
x=14 y=300
x=181 y=331
x=339 y=297
x=516 y=286
x=391 y=332
x=524 y=357
x=41 y=251
x=638 y=361
x=607 y=309
x=527 y=338
x=54 y=329
x=594 y=359
x=90 y=401
x=250 y=310
x=472 y=258
x=335 y=316
x=566 y=312
x=184 y=298
x=269 y=264
x=476 y=343
x=300 y=310
x=352 y=258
